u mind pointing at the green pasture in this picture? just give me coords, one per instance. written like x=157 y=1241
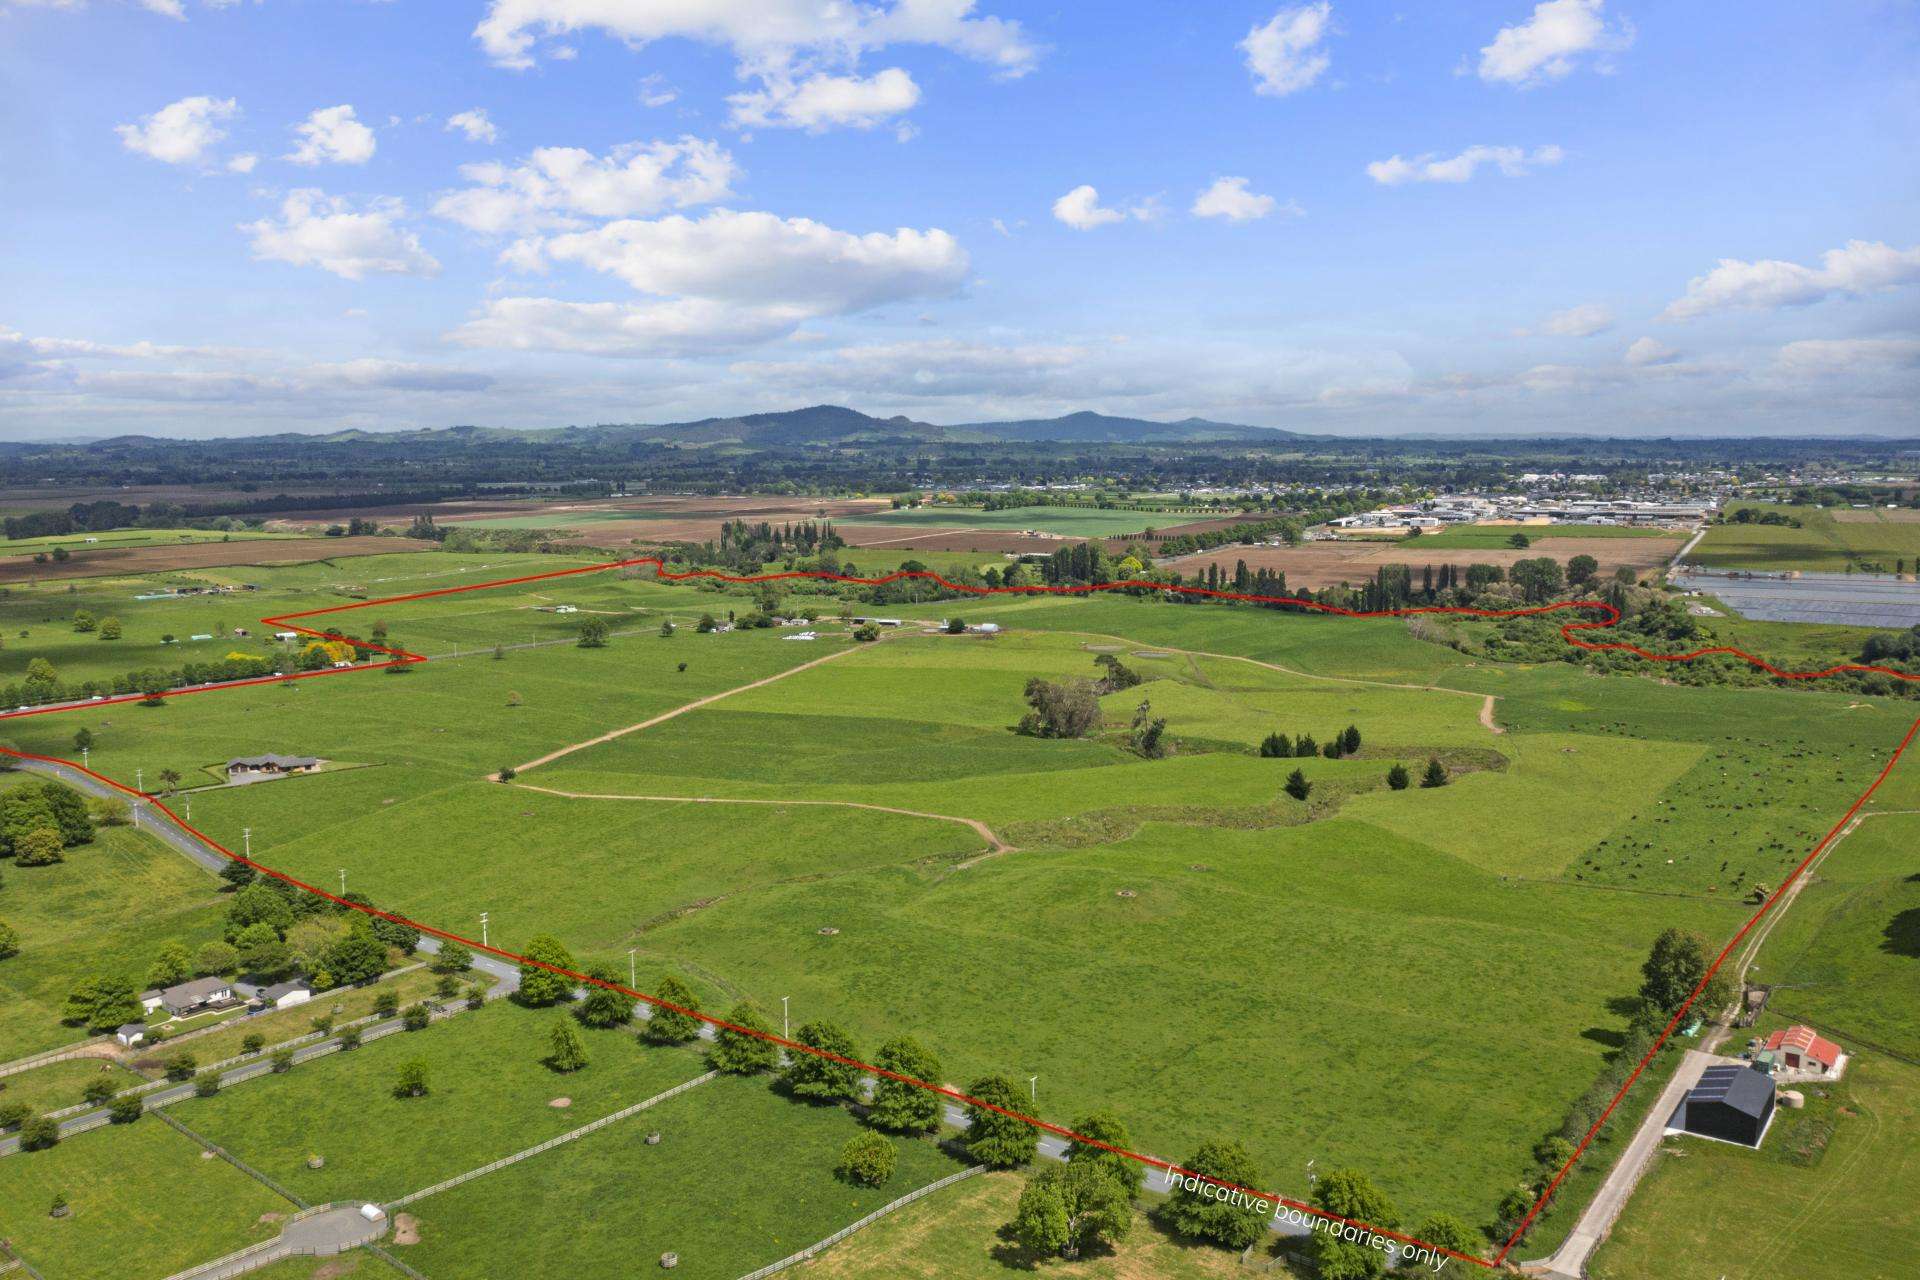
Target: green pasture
x=740 y=1178
x=60 y=1084
x=145 y=1201
x=1499 y=537
x=1708 y=1210
x=490 y=1097
x=118 y=538
x=1847 y=956
x=1072 y=522
x=1824 y=543
x=105 y=910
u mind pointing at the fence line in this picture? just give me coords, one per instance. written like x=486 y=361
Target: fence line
x=14 y=1262
x=235 y=1161
x=403 y=1268
x=66 y=1052
x=559 y=1140
x=885 y=1209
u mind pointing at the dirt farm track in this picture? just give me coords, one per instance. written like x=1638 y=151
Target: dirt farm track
x=201 y=555
x=1325 y=564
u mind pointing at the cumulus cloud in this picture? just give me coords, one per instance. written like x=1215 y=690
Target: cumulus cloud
x=554 y=188
x=182 y=132
x=1861 y=267
x=331 y=135
x=820 y=102
x=1229 y=198
x=725 y=279
x=1650 y=351
x=1432 y=167
x=1582 y=321
x=315 y=229
x=1080 y=209
x=1825 y=356
x=804 y=55
x=475 y=125
x=1285 y=52
x=1551 y=43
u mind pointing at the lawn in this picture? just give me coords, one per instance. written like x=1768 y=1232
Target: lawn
x=105 y=910
x=491 y=1096
x=58 y=1084
x=741 y=1177
x=958 y=1234
x=1829 y=540
x=145 y=1202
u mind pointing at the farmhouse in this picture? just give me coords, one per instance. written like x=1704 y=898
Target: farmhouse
x=1732 y=1103
x=1801 y=1049
x=270 y=764
x=200 y=993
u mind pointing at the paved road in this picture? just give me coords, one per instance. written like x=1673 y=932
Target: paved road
x=205 y=855
x=1569 y=1262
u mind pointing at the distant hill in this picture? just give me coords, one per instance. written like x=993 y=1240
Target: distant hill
x=1105 y=429
x=830 y=423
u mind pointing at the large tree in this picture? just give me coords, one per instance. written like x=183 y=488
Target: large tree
x=602 y=1006
x=540 y=987
x=1065 y=1208
x=1674 y=968
x=739 y=1053
x=822 y=1079
x=670 y=1026
x=259 y=903
x=899 y=1106
x=995 y=1138
x=1105 y=1127
x=1068 y=709
x=1347 y=1193
x=358 y=956
x=1449 y=1232
x=565 y=1052
x=1208 y=1212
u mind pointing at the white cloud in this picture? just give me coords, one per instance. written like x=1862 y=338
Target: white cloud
x=1229 y=198
x=1582 y=321
x=243 y=163
x=1081 y=209
x=1432 y=167
x=555 y=187
x=181 y=132
x=475 y=125
x=822 y=101
x=1648 y=351
x=804 y=51
x=332 y=135
x=726 y=279
x=1548 y=45
x=1861 y=267
x=318 y=230
x=1823 y=356
x=656 y=92
x=1284 y=53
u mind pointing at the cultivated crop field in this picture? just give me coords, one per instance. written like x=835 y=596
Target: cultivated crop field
x=1354 y=560
x=198 y=555
x=1828 y=540
x=1075 y=522
x=859 y=829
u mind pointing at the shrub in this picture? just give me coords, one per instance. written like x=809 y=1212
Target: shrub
x=387 y=1003
x=1398 y=778
x=413 y=1080
x=350 y=1038
x=1297 y=785
x=98 y=1090
x=13 y=1114
x=181 y=1066
x=207 y=1085
x=37 y=1133
x=282 y=1061
x=417 y=1017
x=125 y=1109
x=252 y=1042
x=868 y=1159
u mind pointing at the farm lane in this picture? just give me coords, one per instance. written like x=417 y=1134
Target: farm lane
x=665 y=716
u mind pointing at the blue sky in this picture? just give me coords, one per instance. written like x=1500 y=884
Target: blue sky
x=1578 y=215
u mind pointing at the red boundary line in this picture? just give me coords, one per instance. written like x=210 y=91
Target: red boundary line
x=401 y=657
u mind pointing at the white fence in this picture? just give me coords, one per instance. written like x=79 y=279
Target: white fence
x=864 y=1223
x=569 y=1136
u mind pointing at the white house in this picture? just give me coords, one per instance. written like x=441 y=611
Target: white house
x=284 y=995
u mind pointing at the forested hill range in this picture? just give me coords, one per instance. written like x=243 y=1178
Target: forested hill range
x=827 y=446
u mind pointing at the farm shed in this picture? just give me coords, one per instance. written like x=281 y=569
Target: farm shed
x=1802 y=1049
x=1733 y=1103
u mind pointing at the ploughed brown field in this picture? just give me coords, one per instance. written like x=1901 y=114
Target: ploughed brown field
x=1326 y=564
x=201 y=555
x=656 y=519
x=961 y=538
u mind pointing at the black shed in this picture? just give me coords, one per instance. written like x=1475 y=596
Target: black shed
x=1731 y=1103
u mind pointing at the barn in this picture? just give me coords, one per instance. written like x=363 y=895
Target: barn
x=1732 y=1102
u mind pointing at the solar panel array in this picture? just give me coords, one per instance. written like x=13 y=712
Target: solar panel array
x=1852 y=599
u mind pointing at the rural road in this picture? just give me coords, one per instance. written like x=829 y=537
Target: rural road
x=1569 y=1262
x=206 y=856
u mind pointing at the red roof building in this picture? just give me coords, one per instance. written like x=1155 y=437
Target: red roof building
x=1800 y=1049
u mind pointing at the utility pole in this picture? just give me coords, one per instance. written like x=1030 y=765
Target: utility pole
x=784 y=1033
x=1033 y=1088
x=246 y=843
x=138 y=784
x=633 y=974
x=483 y=928
x=343 y=882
